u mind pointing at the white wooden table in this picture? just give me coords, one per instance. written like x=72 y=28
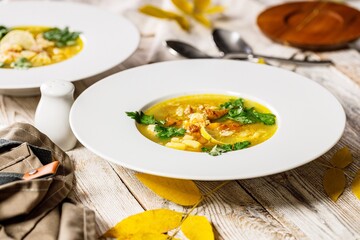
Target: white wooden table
x=289 y=205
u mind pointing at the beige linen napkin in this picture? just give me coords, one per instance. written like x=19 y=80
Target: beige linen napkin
x=38 y=208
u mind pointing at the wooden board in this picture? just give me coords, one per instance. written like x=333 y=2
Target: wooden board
x=318 y=25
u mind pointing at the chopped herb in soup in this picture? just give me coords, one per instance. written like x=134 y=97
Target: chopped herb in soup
x=34 y=46
x=206 y=123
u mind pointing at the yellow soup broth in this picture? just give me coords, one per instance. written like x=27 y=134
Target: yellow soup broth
x=205 y=123
x=28 y=44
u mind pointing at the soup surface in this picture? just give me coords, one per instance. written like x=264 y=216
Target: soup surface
x=24 y=47
x=206 y=122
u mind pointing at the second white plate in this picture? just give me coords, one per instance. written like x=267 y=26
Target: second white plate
x=108 y=40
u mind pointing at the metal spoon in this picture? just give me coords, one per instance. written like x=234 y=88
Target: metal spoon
x=230 y=43
x=185 y=50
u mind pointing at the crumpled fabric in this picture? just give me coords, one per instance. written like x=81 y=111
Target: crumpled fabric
x=38 y=208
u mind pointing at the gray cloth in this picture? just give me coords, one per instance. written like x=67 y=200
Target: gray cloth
x=38 y=208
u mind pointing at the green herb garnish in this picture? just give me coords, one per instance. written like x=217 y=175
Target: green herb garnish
x=169 y=132
x=219 y=149
x=163 y=132
x=238 y=112
x=233 y=104
x=142 y=118
x=2 y=64
x=266 y=118
x=21 y=63
x=61 y=37
x=3 y=31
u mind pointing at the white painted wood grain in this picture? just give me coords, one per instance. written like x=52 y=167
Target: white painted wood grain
x=99 y=188
x=233 y=213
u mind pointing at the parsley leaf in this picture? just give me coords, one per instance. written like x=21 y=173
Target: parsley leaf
x=237 y=103
x=21 y=63
x=238 y=112
x=61 y=37
x=3 y=31
x=266 y=118
x=168 y=132
x=219 y=149
x=163 y=132
x=244 y=116
x=241 y=145
x=142 y=118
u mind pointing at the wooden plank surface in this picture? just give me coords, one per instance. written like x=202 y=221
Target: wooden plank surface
x=232 y=211
x=289 y=205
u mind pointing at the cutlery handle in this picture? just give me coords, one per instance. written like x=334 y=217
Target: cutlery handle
x=295 y=61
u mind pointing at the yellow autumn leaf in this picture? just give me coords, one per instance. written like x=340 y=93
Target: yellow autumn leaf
x=184 y=5
x=197 y=228
x=196 y=9
x=334 y=183
x=182 y=192
x=160 y=13
x=341 y=158
x=355 y=186
x=150 y=236
x=201 y=5
x=203 y=20
x=214 y=9
x=157 y=12
x=261 y=61
x=183 y=23
x=153 y=221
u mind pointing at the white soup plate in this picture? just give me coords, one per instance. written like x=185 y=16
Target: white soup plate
x=310 y=119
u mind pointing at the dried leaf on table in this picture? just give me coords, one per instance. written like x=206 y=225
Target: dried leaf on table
x=151 y=236
x=214 y=9
x=183 y=23
x=197 y=9
x=197 y=228
x=334 y=183
x=182 y=192
x=201 y=5
x=261 y=61
x=157 y=12
x=203 y=20
x=355 y=186
x=342 y=158
x=184 y=5
x=160 y=13
x=153 y=221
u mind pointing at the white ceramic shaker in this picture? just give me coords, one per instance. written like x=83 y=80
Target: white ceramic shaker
x=52 y=113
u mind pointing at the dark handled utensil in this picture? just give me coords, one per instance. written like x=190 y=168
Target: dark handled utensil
x=186 y=50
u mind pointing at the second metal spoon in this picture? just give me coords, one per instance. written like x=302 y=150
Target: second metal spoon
x=231 y=44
